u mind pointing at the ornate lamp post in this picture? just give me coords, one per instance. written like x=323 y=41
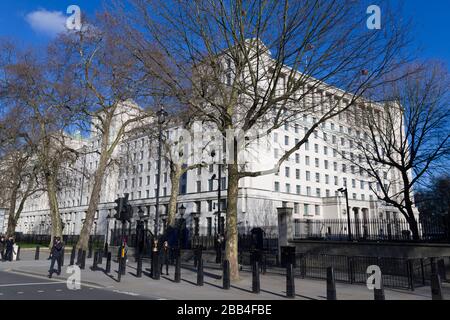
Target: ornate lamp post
x=182 y=210
x=162 y=114
x=345 y=192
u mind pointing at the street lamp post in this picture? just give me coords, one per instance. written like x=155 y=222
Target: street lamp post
x=345 y=192
x=161 y=119
x=219 y=193
x=182 y=210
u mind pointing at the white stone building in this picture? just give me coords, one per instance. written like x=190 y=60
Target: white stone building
x=308 y=182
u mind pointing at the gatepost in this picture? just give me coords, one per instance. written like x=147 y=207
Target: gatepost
x=284 y=228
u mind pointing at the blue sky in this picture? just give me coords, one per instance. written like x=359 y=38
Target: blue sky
x=20 y=19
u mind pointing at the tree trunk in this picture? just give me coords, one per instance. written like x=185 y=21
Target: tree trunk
x=175 y=174
x=231 y=248
x=54 y=210
x=83 y=241
x=413 y=225
x=12 y=223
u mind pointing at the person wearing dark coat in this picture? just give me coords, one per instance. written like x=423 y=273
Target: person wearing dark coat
x=55 y=255
x=164 y=257
x=9 y=244
x=2 y=247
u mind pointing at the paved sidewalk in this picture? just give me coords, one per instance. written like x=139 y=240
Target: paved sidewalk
x=273 y=286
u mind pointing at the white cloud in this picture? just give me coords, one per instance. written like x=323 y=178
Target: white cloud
x=48 y=22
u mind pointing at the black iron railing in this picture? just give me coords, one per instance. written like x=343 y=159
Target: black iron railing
x=430 y=230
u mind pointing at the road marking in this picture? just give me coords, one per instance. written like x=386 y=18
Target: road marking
x=58 y=290
x=40 y=291
x=126 y=292
x=19 y=292
x=28 y=284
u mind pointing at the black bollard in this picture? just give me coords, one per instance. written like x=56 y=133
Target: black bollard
x=177 y=269
x=62 y=257
x=436 y=289
x=139 y=266
x=155 y=266
x=90 y=251
x=105 y=253
x=100 y=257
x=83 y=260
x=226 y=274
x=108 y=263
x=200 y=272
x=290 y=281
x=378 y=294
x=72 y=256
x=441 y=269
x=331 y=284
x=18 y=254
x=94 y=264
x=119 y=272
x=36 y=255
x=433 y=265
x=256 y=287
x=79 y=256
x=124 y=265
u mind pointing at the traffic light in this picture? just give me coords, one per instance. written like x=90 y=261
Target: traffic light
x=124 y=211
x=119 y=208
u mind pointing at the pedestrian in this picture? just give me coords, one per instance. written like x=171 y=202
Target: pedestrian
x=164 y=257
x=9 y=249
x=55 y=255
x=2 y=247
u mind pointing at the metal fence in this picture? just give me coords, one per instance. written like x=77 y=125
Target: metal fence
x=430 y=230
x=68 y=240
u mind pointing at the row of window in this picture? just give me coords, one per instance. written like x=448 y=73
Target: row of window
x=318 y=191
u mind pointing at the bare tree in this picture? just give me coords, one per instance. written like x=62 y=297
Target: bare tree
x=39 y=90
x=405 y=138
x=247 y=65
x=112 y=86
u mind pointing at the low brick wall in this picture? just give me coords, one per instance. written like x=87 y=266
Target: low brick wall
x=394 y=250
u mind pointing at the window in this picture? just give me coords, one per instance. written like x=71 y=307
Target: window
x=286 y=126
x=297 y=158
x=344 y=180
x=333 y=139
x=199 y=186
x=344 y=168
x=132 y=183
x=317 y=210
x=316 y=160
x=327 y=193
x=275 y=153
x=297 y=189
x=362 y=185
x=353 y=183
x=336 y=182
x=210 y=184
x=210 y=205
x=275 y=137
x=286 y=140
x=335 y=166
x=165 y=192
x=199 y=170
x=147 y=193
x=288 y=188
x=318 y=192
x=296 y=128
x=318 y=177
x=308 y=191
x=325 y=137
x=307 y=160
x=325 y=151
x=140 y=182
x=316 y=148
x=139 y=195
x=148 y=180
x=308 y=176
x=277 y=186
x=306 y=145
x=342 y=142
x=296 y=208
x=325 y=163
x=297 y=174
x=327 y=179
x=287 y=171
x=306 y=209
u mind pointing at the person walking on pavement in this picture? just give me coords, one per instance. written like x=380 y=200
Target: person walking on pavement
x=2 y=247
x=164 y=257
x=55 y=255
x=9 y=249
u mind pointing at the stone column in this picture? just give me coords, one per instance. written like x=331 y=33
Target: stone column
x=284 y=228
